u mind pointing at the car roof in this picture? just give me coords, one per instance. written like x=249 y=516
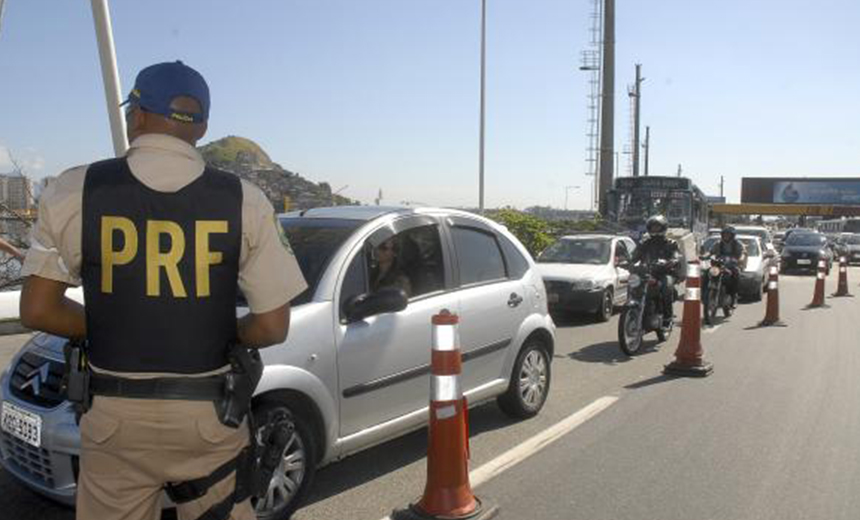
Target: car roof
x=591 y=236
x=368 y=213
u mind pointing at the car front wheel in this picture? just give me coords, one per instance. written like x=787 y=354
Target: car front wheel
x=294 y=475
x=607 y=306
x=529 y=385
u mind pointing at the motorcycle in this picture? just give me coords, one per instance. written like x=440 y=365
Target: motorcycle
x=644 y=311
x=716 y=297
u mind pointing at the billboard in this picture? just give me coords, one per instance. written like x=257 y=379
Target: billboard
x=776 y=190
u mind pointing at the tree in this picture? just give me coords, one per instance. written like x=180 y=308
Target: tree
x=532 y=231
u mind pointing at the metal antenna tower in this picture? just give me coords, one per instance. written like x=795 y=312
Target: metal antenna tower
x=591 y=60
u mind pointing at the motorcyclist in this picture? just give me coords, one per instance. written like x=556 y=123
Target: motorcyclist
x=658 y=248
x=733 y=252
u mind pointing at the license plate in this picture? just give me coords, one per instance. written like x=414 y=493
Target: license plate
x=856 y=255
x=552 y=297
x=21 y=424
x=804 y=262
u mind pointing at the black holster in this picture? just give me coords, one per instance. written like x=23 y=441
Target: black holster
x=76 y=376
x=246 y=369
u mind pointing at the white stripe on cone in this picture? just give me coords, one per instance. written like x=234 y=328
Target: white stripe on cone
x=693 y=294
x=445 y=338
x=445 y=388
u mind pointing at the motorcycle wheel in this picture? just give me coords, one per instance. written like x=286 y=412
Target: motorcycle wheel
x=711 y=307
x=663 y=333
x=629 y=331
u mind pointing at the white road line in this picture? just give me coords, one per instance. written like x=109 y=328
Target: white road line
x=711 y=330
x=534 y=444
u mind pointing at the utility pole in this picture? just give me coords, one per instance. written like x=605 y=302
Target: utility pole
x=1 y=15
x=722 y=186
x=607 y=112
x=483 y=97
x=110 y=76
x=636 y=94
x=647 y=147
x=679 y=170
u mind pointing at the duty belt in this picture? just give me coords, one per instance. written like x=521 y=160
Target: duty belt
x=210 y=388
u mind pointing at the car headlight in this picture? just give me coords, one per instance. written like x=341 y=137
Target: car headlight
x=584 y=285
x=634 y=281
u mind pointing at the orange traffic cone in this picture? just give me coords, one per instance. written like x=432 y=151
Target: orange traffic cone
x=818 y=295
x=448 y=494
x=842 y=288
x=771 y=316
x=689 y=357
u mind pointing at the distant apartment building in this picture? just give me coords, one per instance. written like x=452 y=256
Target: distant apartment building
x=16 y=192
x=16 y=197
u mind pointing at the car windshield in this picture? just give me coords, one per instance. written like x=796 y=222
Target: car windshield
x=761 y=233
x=806 y=239
x=314 y=241
x=751 y=246
x=852 y=239
x=577 y=251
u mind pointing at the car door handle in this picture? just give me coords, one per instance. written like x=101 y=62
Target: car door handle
x=515 y=300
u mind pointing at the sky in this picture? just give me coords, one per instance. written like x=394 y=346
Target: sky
x=384 y=94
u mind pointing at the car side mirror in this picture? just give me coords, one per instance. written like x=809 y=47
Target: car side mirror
x=390 y=299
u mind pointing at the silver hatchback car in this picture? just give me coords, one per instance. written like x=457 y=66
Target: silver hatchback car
x=354 y=371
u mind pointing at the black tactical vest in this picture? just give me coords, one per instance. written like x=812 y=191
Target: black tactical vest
x=160 y=270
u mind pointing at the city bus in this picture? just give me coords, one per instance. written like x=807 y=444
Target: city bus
x=633 y=199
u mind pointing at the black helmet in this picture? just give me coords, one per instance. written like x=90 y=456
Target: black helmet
x=728 y=230
x=657 y=226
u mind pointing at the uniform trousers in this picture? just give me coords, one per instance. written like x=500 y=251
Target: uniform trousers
x=130 y=448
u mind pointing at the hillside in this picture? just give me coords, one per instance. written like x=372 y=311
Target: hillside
x=285 y=189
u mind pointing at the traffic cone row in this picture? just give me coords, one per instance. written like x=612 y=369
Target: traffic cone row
x=818 y=295
x=842 y=288
x=447 y=494
x=771 y=316
x=689 y=357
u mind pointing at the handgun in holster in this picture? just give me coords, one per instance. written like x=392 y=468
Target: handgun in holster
x=76 y=376
x=246 y=369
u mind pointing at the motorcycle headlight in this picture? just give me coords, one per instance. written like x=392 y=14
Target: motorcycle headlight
x=634 y=281
x=715 y=271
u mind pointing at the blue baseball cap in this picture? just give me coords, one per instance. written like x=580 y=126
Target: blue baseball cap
x=158 y=85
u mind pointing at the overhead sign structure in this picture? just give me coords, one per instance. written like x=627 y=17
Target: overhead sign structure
x=775 y=190
x=809 y=210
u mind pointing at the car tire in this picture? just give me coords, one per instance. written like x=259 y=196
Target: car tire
x=607 y=306
x=295 y=476
x=530 y=382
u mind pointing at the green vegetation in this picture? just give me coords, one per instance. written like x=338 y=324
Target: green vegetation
x=227 y=150
x=533 y=232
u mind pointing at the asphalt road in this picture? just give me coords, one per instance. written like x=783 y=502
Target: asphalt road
x=771 y=434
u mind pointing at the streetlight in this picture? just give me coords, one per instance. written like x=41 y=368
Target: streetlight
x=566 y=190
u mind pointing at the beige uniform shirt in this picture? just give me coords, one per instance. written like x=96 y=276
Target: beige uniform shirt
x=269 y=275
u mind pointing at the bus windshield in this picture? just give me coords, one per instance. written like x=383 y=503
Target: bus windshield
x=636 y=206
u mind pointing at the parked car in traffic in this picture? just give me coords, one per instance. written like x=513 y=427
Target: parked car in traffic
x=763 y=233
x=803 y=250
x=354 y=371
x=753 y=278
x=582 y=273
x=851 y=247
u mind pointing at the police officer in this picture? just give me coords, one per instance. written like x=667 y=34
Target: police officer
x=161 y=243
x=657 y=247
x=731 y=250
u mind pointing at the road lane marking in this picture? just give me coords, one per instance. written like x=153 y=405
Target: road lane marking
x=533 y=445
x=713 y=329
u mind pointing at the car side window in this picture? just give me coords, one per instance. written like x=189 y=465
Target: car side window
x=410 y=260
x=478 y=256
x=517 y=265
x=621 y=253
x=355 y=280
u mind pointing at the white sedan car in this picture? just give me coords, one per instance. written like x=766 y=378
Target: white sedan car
x=582 y=273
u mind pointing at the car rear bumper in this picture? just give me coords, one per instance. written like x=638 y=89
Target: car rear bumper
x=576 y=301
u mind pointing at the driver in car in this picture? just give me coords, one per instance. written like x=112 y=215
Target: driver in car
x=386 y=271
x=734 y=253
x=657 y=248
